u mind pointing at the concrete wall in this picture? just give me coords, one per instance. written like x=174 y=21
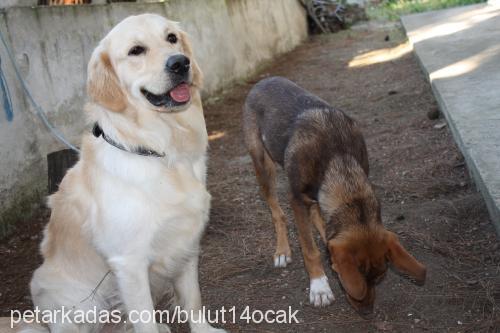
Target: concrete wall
x=11 y=3
x=52 y=46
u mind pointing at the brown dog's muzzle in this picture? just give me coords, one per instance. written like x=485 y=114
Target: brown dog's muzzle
x=364 y=307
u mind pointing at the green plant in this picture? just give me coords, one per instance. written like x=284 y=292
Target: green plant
x=393 y=9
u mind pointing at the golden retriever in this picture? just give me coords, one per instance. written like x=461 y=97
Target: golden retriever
x=127 y=219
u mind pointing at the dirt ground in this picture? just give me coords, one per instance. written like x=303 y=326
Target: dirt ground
x=427 y=197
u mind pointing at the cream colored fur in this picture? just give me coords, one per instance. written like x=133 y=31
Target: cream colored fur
x=139 y=217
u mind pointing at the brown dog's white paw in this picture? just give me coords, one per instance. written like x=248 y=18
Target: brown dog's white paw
x=320 y=293
x=281 y=260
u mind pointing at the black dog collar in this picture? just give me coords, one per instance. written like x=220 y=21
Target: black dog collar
x=97 y=132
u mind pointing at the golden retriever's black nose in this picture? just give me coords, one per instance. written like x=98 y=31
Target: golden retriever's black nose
x=178 y=64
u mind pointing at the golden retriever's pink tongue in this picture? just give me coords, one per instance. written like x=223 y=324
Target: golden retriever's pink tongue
x=180 y=93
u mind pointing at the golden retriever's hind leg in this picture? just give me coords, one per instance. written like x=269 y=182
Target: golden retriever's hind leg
x=265 y=170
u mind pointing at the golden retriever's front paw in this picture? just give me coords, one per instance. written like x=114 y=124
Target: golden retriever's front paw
x=163 y=328
x=218 y=330
x=209 y=329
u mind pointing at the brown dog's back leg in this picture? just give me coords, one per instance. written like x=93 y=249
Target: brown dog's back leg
x=265 y=170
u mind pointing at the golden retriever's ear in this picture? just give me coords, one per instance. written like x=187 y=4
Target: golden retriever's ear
x=103 y=86
x=188 y=51
x=402 y=260
x=346 y=267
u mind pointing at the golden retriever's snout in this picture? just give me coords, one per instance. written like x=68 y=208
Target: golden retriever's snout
x=178 y=67
x=178 y=64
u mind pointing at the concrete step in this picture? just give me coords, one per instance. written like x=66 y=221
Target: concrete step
x=459 y=51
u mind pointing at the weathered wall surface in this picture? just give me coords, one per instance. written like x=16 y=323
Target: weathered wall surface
x=52 y=46
x=11 y=3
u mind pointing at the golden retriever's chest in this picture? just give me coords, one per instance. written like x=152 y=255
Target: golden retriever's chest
x=166 y=204
x=160 y=189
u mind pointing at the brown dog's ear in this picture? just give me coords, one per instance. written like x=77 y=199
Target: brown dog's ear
x=103 y=86
x=346 y=266
x=402 y=260
x=188 y=51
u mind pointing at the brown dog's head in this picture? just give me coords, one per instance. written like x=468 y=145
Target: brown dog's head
x=145 y=61
x=361 y=256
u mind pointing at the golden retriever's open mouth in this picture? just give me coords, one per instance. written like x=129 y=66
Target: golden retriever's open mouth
x=178 y=96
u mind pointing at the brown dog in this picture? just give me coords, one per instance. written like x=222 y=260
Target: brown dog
x=324 y=156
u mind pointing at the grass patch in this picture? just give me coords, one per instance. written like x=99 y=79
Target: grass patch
x=393 y=9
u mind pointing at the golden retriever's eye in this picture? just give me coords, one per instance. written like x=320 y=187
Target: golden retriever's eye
x=136 y=50
x=172 y=38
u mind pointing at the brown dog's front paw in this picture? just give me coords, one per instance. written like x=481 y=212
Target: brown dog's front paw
x=320 y=294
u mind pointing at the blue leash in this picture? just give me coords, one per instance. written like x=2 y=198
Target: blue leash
x=39 y=111
x=7 y=101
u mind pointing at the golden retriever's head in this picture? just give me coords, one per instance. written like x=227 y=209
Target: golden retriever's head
x=145 y=61
x=360 y=259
